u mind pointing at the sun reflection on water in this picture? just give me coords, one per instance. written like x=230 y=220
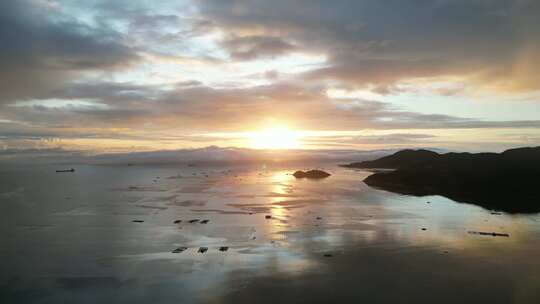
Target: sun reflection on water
x=280 y=188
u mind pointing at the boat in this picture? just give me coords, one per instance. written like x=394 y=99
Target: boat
x=67 y=170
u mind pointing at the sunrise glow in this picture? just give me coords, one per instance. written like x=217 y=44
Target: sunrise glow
x=274 y=138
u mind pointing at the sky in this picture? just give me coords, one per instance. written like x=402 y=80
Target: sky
x=134 y=75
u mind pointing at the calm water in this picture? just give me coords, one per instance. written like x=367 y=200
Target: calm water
x=69 y=238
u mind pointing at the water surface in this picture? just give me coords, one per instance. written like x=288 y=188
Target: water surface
x=70 y=237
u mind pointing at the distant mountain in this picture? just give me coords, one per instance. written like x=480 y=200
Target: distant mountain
x=507 y=181
x=207 y=155
x=234 y=155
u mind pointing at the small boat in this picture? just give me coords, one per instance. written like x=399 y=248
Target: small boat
x=67 y=170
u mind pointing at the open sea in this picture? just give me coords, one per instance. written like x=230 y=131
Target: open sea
x=106 y=234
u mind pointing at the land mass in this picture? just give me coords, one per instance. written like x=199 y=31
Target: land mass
x=314 y=174
x=506 y=181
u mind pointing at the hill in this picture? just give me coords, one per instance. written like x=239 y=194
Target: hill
x=397 y=160
x=507 y=181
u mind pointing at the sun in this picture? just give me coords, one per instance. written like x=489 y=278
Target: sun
x=274 y=138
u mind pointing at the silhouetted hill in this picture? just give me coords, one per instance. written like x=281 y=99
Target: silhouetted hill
x=397 y=160
x=507 y=181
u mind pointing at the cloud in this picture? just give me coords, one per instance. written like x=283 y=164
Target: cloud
x=252 y=47
x=42 y=49
x=492 y=43
x=131 y=71
x=190 y=107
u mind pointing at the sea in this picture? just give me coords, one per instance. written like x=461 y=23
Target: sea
x=138 y=234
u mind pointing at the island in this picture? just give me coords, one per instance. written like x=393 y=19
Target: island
x=311 y=174
x=506 y=181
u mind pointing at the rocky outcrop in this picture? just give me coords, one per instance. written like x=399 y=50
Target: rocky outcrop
x=311 y=174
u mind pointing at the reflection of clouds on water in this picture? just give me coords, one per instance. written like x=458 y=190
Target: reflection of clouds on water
x=374 y=237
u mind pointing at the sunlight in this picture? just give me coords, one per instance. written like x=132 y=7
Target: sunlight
x=274 y=138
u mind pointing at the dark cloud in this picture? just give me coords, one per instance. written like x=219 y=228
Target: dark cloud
x=253 y=47
x=374 y=42
x=382 y=73
x=42 y=49
x=113 y=92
